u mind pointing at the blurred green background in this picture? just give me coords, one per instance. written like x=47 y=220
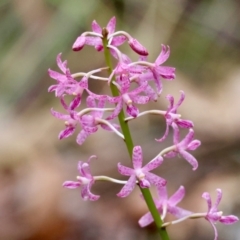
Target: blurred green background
x=204 y=36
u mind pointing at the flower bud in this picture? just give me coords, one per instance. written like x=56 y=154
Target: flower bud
x=137 y=47
x=79 y=43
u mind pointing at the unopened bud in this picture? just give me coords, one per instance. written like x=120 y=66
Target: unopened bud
x=137 y=47
x=79 y=43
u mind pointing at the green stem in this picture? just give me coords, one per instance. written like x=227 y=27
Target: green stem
x=129 y=144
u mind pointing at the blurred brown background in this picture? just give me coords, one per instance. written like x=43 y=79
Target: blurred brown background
x=204 y=36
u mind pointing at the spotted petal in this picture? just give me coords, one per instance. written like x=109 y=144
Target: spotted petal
x=128 y=187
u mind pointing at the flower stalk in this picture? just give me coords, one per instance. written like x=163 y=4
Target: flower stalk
x=129 y=144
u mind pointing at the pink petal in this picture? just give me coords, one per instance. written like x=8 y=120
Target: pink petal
x=184 y=123
x=61 y=65
x=118 y=40
x=57 y=76
x=128 y=187
x=176 y=134
x=219 y=197
x=64 y=104
x=192 y=160
x=126 y=171
x=80 y=163
x=71 y=184
x=96 y=96
x=59 y=115
x=84 y=169
x=164 y=136
x=177 y=196
x=157 y=81
x=125 y=84
x=79 y=43
x=151 y=93
x=139 y=89
x=156 y=162
x=155 y=180
x=188 y=138
x=193 y=145
x=91 y=102
x=146 y=76
x=96 y=27
x=117 y=110
x=227 y=220
x=66 y=132
x=132 y=111
x=137 y=47
x=75 y=102
x=114 y=99
x=162 y=193
x=111 y=25
x=182 y=97
x=178 y=212
x=102 y=101
x=84 y=82
x=144 y=183
x=52 y=88
x=137 y=157
x=59 y=91
x=163 y=56
x=91 y=196
x=145 y=220
x=94 y=41
x=207 y=197
x=141 y=99
x=86 y=193
x=166 y=72
x=82 y=136
x=91 y=157
x=171 y=102
x=90 y=130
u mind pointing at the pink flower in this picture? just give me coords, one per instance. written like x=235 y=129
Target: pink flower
x=129 y=98
x=85 y=181
x=172 y=118
x=90 y=122
x=96 y=38
x=186 y=144
x=213 y=215
x=165 y=205
x=142 y=174
x=65 y=82
x=71 y=119
x=153 y=71
x=162 y=71
x=149 y=91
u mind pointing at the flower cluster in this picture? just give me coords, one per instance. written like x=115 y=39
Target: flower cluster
x=132 y=81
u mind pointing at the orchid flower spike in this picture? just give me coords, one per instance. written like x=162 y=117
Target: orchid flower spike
x=85 y=181
x=139 y=173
